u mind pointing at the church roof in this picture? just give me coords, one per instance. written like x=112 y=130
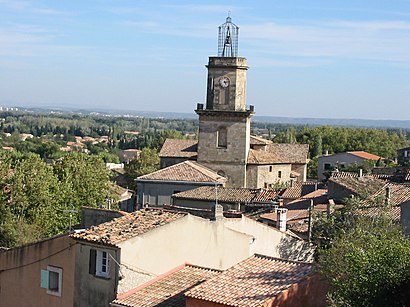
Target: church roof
x=280 y=154
x=290 y=153
x=185 y=171
x=179 y=148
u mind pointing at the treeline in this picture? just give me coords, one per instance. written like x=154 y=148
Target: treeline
x=35 y=197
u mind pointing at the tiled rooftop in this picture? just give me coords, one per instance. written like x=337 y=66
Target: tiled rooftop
x=128 y=226
x=252 y=281
x=365 y=155
x=167 y=290
x=374 y=205
x=234 y=195
x=365 y=185
x=290 y=153
x=299 y=189
x=179 y=148
x=185 y=171
x=256 y=140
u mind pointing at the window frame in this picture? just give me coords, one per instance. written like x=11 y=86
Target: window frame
x=99 y=263
x=52 y=277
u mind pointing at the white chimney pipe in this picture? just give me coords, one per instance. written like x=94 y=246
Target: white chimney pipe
x=281 y=219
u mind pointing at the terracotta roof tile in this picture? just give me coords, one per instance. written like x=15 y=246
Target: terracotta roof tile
x=256 y=140
x=128 y=226
x=167 y=290
x=365 y=155
x=290 y=153
x=299 y=189
x=365 y=185
x=233 y=195
x=179 y=148
x=374 y=205
x=252 y=281
x=185 y=171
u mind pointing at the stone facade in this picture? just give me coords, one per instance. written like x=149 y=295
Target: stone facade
x=267 y=176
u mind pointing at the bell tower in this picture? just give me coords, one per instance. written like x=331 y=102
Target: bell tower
x=224 y=123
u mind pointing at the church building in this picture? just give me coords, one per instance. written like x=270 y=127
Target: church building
x=225 y=144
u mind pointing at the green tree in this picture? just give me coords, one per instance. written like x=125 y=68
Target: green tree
x=147 y=162
x=365 y=260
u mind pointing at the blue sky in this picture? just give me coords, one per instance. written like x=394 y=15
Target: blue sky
x=332 y=59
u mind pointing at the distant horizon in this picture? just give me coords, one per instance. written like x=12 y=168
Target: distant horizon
x=315 y=121
x=338 y=59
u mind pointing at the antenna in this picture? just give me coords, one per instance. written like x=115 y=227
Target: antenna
x=71 y=211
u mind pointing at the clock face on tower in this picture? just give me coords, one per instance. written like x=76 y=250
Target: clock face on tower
x=224 y=82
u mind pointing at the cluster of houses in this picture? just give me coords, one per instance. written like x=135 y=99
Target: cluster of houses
x=226 y=221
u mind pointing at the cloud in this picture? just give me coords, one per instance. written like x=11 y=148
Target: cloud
x=371 y=40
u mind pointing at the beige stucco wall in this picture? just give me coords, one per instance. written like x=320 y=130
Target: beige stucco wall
x=92 y=290
x=188 y=239
x=258 y=175
x=269 y=241
x=20 y=273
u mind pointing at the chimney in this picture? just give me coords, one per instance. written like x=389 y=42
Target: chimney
x=219 y=212
x=326 y=152
x=281 y=219
x=280 y=202
x=200 y=106
x=360 y=172
x=388 y=195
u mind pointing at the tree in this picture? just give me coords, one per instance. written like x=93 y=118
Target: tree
x=147 y=162
x=365 y=260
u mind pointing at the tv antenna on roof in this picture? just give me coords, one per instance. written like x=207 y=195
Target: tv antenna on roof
x=71 y=211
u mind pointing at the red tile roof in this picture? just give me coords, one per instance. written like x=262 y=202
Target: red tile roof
x=299 y=189
x=179 y=148
x=232 y=195
x=365 y=185
x=256 y=140
x=252 y=281
x=128 y=226
x=185 y=171
x=168 y=289
x=365 y=155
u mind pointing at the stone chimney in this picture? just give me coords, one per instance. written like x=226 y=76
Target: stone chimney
x=360 y=172
x=219 y=212
x=281 y=219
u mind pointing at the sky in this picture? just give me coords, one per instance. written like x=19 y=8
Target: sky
x=315 y=59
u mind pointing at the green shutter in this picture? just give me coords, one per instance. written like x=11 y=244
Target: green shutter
x=92 y=262
x=45 y=278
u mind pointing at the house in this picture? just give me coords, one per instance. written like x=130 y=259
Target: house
x=167 y=289
x=261 y=281
x=128 y=155
x=59 y=271
x=216 y=244
x=297 y=189
x=299 y=212
x=232 y=199
x=155 y=189
x=344 y=185
x=327 y=163
x=177 y=151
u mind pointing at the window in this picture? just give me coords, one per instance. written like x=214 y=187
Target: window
x=99 y=263
x=51 y=279
x=327 y=166
x=270 y=168
x=279 y=174
x=222 y=137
